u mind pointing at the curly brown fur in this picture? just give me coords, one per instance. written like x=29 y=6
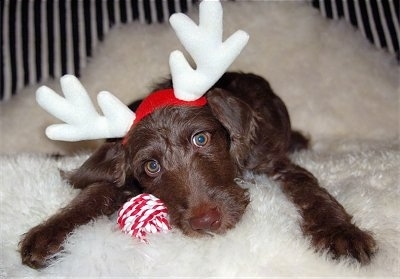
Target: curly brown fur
x=189 y=157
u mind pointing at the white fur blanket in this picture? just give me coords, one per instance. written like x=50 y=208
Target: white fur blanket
x=267 y=242
x=338 y=88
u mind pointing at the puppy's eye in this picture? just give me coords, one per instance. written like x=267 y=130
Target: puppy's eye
x=152 y=167
x=201 y=139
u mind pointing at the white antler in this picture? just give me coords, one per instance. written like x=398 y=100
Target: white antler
x=204 y=44
x=82 y=121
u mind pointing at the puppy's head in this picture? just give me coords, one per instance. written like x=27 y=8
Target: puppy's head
x=182 y=156
x=188 y=157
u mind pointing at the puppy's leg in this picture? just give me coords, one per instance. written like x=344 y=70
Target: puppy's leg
x=46 y=239
x=324 y=219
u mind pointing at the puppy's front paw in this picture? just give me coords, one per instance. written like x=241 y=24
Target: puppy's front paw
x=346 y=240
x=40 y=243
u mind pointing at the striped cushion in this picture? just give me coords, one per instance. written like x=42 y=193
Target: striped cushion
x=47 y=38
x=378 y=20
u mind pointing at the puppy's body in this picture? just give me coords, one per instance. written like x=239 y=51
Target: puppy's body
x=189 y=157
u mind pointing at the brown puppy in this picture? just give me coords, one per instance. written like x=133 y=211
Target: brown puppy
x=189 y=157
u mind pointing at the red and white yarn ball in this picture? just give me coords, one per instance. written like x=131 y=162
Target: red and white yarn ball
x=143 y=214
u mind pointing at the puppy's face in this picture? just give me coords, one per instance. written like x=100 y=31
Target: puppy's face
x=182 y=156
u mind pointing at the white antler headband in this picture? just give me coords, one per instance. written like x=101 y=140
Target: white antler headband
x=82 y=122
x=203 y=42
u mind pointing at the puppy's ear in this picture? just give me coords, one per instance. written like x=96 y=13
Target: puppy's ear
x=238 y=118
x=107 y=164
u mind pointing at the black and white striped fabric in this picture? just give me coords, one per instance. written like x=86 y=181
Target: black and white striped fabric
x=377 y=20
x=49 y=38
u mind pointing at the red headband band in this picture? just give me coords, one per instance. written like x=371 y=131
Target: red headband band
x=163 y=98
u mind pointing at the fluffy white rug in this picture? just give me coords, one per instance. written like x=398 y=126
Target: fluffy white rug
x=338 y=88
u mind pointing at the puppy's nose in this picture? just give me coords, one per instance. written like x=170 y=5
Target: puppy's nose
x=207 y=221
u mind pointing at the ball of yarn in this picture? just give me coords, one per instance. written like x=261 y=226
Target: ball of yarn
x=143 y=214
